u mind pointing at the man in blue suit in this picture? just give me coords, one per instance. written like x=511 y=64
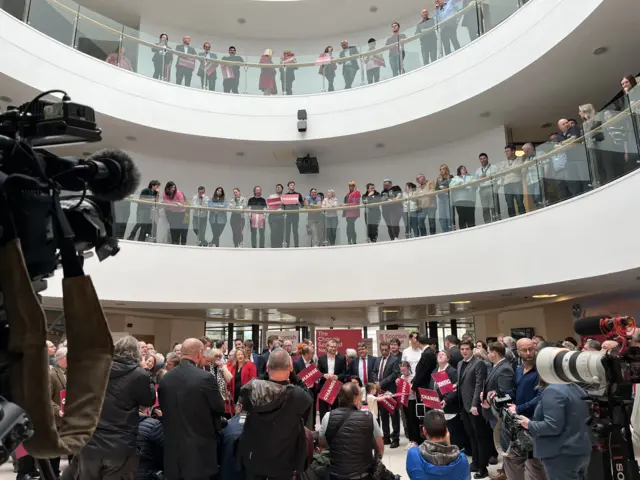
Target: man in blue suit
x=387 y=372
x=364 y=366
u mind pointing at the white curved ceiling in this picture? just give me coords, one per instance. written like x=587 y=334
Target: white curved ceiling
x=550 y=250
x=495 y=73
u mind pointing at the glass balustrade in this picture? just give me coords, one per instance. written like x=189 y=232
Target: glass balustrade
x=274 y=73
x=543 y=175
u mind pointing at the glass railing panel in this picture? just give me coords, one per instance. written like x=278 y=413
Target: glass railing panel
x=494 y=12
x=15 y=8
x=299 y=80
x=101 y=38
x=57 y=19
x=455 y=28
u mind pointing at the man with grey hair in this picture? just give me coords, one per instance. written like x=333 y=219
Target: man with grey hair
x=171 y=361
x=591 y=346
x=282 y=400
x=111 y=452
x=512 y=352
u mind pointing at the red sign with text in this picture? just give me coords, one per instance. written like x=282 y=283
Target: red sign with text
x=329 y=391
x=443 y=382
x=345 y=338
x=290 y=199
x=310 y=375
x=403 y=388
x=157 y=404
x=388 y=403
x=430 y=398
x=274 y=203
x=63 y=399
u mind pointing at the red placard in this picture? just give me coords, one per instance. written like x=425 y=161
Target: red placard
x=329 y=391
x=404 y=388
x=345 y=338
x=388 y=403
x=310 y=375
x=21 y=452
x=291 y=199
x=257 y=220
x=274 y=203
x=63 y=399
x=157 y=404
x=443 y=382
x=430 y=398
x=323 y=59
x=227 y=72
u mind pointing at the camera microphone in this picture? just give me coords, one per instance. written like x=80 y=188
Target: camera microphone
x=603 y=325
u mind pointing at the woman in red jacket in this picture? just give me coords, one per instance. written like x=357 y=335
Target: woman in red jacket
x=242 y=372
x=351 y=214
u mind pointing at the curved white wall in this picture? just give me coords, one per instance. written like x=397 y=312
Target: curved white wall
x=35 y=60
x=592 y=235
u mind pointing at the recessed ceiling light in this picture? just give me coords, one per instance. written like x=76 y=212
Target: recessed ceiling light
x=485 y=114
x=6 y=99
x=600 y=50
x=545 y=295
x=461 y=302
x=131 y=138
x=239 y=154
x=242 y=21
x=379 y=145
x=373 y=9
x=546 y=125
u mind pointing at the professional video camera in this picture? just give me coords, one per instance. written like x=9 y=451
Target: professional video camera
x=519 y=440
x=41 y=230
x=608 y=378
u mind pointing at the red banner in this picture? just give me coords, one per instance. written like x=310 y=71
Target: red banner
x=157 y=404
x=330 y=391
x=430 y=398
x=388 y=403
x=257 y=220
x=291 y=199
x=404 y=388
x=345 y=338
x=21 y=452
x=274 y=203
x=63 y=399
x=310 y=375
x=443 y=382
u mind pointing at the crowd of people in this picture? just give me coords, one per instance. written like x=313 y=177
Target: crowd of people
x=281 y=72
x=530 y=179
x=204 y=411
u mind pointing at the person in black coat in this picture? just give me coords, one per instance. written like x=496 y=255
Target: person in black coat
x=451 y=343
x=349 y=67
x=425 y=367
x=150 y=447
x=356 y=367
x=273 y=342
x=388 y=371
x=162 y=59
x=112 y=452
x=185 y=65
x=500 y=380
x=451 y=404
x=339 y=371
x=299 y=364
x=192 y=407
x=372 y=212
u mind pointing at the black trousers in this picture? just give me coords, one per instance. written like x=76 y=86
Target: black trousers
x=373 y=75
x=513 y=196
x=177 y=227
x=449 y=37
x=372 y=232
x=330 y=79
x=257 y=232
x=237 y=227
x=230 y=85
x=351 y=231
x=466 y=216
x=349 y=76
x=276 y=225
x=200 y=229
x=429 y=47
x=292 y=222
x=480 y=437
x=144 y=228
x=324 y=408
x=93 y=466
x=216 y=230
x=392 y=219
x=395 y=61
x=184 y=73
x=457 y=433
x=413 y=422
x=332 y=229
x=395 y=424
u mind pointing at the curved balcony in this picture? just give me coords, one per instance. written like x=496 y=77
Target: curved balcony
x=559 y=211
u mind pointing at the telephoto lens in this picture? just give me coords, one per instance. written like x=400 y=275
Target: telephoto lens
x=558 y=365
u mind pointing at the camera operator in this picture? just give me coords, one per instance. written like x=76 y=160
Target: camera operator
x=559 y=429
x=273 y=444
x=526 y=396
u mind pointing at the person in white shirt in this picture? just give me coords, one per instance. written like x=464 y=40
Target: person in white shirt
x=372 y=400
x=413 y=352
x=333 y=366
x=200 y=216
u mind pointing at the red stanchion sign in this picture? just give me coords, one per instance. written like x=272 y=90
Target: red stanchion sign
x=388 y=403
x=329 y=391
x=157 y=404
x=63 y=399
x=430 y=398
x=443 y=382
x=310 y=375
x=404 y=388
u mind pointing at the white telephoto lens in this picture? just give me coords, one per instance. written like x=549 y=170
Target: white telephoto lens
x=559 y=365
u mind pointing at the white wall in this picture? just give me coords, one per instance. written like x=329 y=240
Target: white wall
x=579 y=238
x=34 y=60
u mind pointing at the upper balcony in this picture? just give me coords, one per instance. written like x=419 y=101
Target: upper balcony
x=488 y=80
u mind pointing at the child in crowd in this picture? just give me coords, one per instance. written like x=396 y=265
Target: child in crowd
x=372 y=400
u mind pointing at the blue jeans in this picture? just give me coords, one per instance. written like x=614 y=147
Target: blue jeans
x=565 y=467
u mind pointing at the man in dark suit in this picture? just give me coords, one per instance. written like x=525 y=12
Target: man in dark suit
x=388 y=371
x=499 y=381
x=299 y=364
x=451 y=343
x=349 y=67
x=472 y=374
x=426 y=366
x=333 y=366
x=185 y=65
x=364 y=366
x=191 y=406
x=272 y=342
x=250 y=354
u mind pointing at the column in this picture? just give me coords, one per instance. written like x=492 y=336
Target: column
x=230 y=345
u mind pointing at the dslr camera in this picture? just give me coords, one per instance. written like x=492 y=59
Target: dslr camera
x=513 y=436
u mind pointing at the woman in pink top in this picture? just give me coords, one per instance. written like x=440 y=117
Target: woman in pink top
x=351 y=214
x=176 y=215
x=119 y=59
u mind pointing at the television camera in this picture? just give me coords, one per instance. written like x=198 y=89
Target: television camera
x=41 y=230
x=608 y=378
x=513 y=437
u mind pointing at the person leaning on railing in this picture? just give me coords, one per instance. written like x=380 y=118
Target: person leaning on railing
x=185 y=64
x=426 y=205
x=231 y=73
x=373 y=63
x=349 y=67
x=442 y=200
x=512 y=181
x=315 y=219
x=208 y=67
x=488 y=190
x=370 y=200
x=464 y=198
x=199 y=216
x=175 y=212
x=352 y=214
x=429 y=39
x=331 y=216
x=288 y=71
x=237 y=218
x=217 y=218
x=327 y=67
x=445 y=17
x=145 y=212
x=631 y=100
x=162 y=59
